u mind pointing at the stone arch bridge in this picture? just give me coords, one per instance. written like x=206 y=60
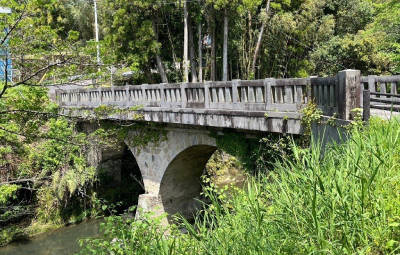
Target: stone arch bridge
x=172 y=167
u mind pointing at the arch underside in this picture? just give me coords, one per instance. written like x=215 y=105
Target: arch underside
x=181 y=184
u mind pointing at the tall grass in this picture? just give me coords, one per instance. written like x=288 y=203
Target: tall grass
x=347 y=202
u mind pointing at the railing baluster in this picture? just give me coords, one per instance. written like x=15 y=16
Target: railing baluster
x=221 y=97
x=259 y=95
x=251 y=96
x=289 y=94
x=393 y=88
x=201 y=95
x=299 y=96
x=383 y=89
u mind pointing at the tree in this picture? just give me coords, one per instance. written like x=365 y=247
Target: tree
x=387 y=21
x=131 y=37
x=260 y=36
x=225 y=6
x=40 y=56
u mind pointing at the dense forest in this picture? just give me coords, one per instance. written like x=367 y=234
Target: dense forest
x=48 y=180
x=248 y=39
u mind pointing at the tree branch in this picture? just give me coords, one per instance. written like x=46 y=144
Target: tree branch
x=26 y=180
x=24 y=82
x=41 y=113
x=36 y=136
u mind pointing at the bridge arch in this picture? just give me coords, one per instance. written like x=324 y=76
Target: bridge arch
x=171 y=169
x=118 y=174
x=181 y=183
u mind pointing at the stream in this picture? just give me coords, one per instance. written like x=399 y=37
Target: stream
x=62 y=241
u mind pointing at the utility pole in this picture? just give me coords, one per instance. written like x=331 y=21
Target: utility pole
x=97 y=34
x=185 y=43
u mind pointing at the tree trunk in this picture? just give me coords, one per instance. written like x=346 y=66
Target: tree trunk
x=185 y=43
x=160 y=65
x=253 y=66
x=191 y=51
x=161 y=69
x=174 y=58
x=225 y=49
x=200 y=56
x=213 y=72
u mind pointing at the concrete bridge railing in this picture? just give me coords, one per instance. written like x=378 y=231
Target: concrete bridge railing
x=381 y=93
x=332 y=95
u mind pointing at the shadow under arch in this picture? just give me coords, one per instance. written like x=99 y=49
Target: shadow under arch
x=181 y=180
x=121 y=179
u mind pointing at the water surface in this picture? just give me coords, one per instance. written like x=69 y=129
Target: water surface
x=62 y=241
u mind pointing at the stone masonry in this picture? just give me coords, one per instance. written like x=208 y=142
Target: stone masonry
x=171 y=170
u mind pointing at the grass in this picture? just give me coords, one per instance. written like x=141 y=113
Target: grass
x=347 y=202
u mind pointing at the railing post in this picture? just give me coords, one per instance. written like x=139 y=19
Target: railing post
x=100 y=95
x=348 y=93
x=58 y=97
x=128 y=95
x=162 y=95
x=144 y=95
x=184 y=85
x=235 y=84
x=207 y=95
x=371 y=83
x=309 y=89
x=113 y=95
x=366 y=105
x=268 y=93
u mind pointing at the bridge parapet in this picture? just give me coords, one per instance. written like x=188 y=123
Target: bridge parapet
x=285 y=95
x=232 y=104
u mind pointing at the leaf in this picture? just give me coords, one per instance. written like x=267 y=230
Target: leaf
x=321 y=185
x=390 y=243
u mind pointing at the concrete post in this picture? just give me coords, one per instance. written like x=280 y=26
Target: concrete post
x=366 y=105
x=128 y=96
x=183 y=94
x=162 y=95
x=268 y=93
x=348 y=93
x=207 y=95
x=144 y=96
x=58 y=97
x=235 y=84
x=309 y=89
x=371 y=83
x=113 y=95
x=100 y=95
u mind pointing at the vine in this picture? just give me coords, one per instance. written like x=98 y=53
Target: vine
x=311 y=114
x=141 y=134
x=104 y=111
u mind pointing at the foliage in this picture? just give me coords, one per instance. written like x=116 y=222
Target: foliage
x=7 y=192
x=141 y=134
x=353 y=51
x=255 y=154
x=346 y=202
x=388 y=21
x=144 y=236
x=311 y=114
